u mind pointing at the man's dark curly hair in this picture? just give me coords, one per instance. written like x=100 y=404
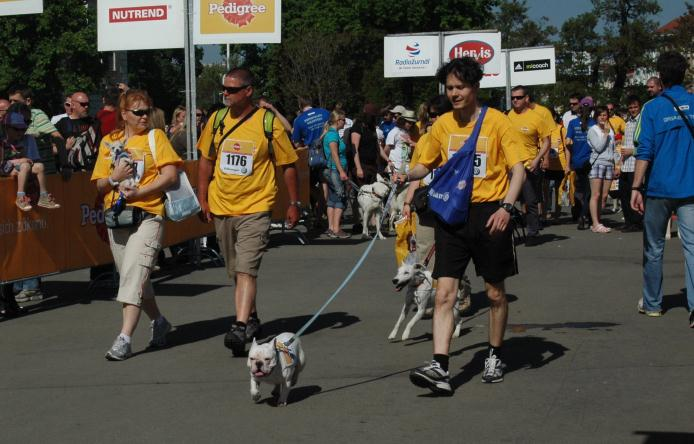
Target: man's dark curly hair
x=465 y=69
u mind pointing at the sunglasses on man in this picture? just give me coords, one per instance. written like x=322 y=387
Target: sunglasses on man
x=84 y=104
x=517 y=97
x=233 y=89
x=140 y=112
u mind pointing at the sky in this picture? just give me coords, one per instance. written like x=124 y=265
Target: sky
x=556 y=11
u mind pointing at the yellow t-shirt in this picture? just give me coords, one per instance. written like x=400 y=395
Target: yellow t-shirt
x=244 y=176
x=557 y=158
x=497 y=151
x=144 y=168
x=618 y=125
x=417 y=153
x=530 y=128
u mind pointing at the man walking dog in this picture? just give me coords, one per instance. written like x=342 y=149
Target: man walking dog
x=486 y=237
x=237 y=189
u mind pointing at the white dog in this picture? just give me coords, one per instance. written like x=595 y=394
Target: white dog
x=420 y=293
x=371 y=199
x=118 y=156
x=277 y=364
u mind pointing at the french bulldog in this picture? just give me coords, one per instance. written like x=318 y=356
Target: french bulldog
x=276 y=363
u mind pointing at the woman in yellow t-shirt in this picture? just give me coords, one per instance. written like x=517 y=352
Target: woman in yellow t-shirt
x=556 y=168
x=130 y=180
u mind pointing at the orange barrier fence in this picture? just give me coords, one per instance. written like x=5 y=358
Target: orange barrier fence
x=41 y=241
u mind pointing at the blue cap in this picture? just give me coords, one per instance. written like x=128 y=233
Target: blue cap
x=15 y=120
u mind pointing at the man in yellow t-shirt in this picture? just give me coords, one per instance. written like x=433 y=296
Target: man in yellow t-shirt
x=617 y=124
x=532 y=131
x=486 y=238
x=237 y=189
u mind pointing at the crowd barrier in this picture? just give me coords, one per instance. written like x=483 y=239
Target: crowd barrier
x=42 y=242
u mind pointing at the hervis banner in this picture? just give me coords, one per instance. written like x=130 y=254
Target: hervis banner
x=411 y=56
x=483 y=46
x=237 y=21
x=15 y=7
x=140 y=24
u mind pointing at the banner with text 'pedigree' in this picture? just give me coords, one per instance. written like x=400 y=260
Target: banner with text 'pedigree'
x=140 y=24
x=237 y=21
x=485 y=47
x=410 y=56
x=16 y=7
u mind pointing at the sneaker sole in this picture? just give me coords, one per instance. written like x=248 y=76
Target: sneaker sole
x=111 y=357
x=50 y=207
x=424 y=382
x=492 y=381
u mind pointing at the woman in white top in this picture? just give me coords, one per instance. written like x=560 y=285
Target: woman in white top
x=399 y=143
x=602 y=159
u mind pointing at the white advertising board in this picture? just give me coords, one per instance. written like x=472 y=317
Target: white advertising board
x=15 y=7
x=140 y=24
x=411 y=56
x=485 y=47
x=235 y=21
x=533 y=66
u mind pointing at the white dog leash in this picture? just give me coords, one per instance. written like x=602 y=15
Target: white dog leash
x=347 y=279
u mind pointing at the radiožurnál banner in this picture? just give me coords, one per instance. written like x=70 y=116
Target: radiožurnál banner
x=410 y=56
x=140 y=24
x=237 y=21
x=16 y=7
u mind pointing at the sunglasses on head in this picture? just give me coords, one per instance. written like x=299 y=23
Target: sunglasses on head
x=140 y=112
x=234 y=89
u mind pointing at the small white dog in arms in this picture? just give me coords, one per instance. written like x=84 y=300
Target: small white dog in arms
x=420 y=294
x=276 y=363
x=371 y=199
x=118 y=156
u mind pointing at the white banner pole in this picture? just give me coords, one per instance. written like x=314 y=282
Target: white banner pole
x=508 y=79
x=189 y=49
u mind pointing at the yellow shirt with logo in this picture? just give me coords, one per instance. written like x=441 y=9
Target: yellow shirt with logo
x=144 y=168
x=530 y=128
x=497 y=151
x=557 y=157
x=618 y=124
x=244 y=179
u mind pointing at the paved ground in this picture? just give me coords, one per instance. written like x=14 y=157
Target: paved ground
x=584 y=366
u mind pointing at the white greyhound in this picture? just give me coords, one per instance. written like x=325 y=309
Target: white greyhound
x=371 y=199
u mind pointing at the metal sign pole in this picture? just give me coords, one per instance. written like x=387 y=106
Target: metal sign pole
x=189 y=49
x=508 y=78
x=442 y=88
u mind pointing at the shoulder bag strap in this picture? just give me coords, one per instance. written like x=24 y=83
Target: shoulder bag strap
x=152 y=146
x=679 y=111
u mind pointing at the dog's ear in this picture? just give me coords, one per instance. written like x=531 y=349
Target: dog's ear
x=379 y=178
x=254 y=342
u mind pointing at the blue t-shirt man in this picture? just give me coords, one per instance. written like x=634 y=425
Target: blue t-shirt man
x=580 y=150
x=308 y=126
x=333 y=136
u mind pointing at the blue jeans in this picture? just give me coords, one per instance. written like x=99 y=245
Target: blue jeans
x=337 y=197
x=28 y=284
x=655 y=220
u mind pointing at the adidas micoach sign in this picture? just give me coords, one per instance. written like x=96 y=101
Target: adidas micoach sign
x=532 y=65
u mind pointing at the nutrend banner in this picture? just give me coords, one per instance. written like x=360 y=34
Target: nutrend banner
x=15 y=7
x=140 y=24
x=410 y=56
x=485 y=47
x=237 y=21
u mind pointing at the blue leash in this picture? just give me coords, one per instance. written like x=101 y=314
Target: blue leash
x=349 y=277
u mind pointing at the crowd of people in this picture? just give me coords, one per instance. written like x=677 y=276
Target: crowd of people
x=530 y=160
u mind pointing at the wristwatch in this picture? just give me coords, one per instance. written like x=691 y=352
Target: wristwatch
x=507 y=206
x=296 y=203
x=113 y=183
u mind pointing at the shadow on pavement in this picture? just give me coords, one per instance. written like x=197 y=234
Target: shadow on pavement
x=328 y=320
x=671 y=301
x=198 y=331
x=665 y=437
x=528 y=352
x=297 y=394
x=592 y=326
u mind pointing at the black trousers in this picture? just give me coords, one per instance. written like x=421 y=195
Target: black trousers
x=532 y=196
x=631 y=217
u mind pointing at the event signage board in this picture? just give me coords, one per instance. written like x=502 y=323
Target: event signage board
x=533 y=66
x=140 y=24
x=485 y=47
x=237 y=21
x=16 y=7
x=411 y=56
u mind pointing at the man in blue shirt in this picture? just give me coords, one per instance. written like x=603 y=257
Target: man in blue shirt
x=664 y=179
x=308 y=126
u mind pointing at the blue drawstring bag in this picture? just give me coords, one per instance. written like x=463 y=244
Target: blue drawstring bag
x=451 y=189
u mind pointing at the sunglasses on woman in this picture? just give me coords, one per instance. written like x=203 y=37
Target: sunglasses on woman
x=140 y=112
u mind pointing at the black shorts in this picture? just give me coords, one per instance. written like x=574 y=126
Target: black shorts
x=494 y=256
x=556 y=175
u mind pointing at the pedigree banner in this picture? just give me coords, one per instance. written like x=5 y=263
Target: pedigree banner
x=140 y=24
x=237 y=21
x=16 y=7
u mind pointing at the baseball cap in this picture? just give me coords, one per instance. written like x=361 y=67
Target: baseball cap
x=399 y=109
x=15 y=120
x=409 y=115
x=586 y=101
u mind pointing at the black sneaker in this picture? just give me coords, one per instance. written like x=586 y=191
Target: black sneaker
x=235 y=339
x=691 y=319
x=493 y=369
x=433 y=377
x=252 y=329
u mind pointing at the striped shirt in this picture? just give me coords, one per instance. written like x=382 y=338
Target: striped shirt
x=630 y=162
x=40 y=123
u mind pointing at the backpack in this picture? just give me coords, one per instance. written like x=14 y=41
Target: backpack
x=316 y=155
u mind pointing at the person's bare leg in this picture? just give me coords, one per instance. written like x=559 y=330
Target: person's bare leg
x=498 y=312
x=595 y=198
x=151 y=309
x=446 y=292
x=337 y=219
x=131 y=316
x=331 y=216
x=22 y=177
x=37 y=169
x=245 y=292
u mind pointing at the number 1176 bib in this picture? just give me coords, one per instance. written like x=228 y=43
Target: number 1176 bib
x=237 y=157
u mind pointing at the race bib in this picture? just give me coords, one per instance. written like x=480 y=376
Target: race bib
x=237 y=157
x=480 y=168
x=480 y=171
